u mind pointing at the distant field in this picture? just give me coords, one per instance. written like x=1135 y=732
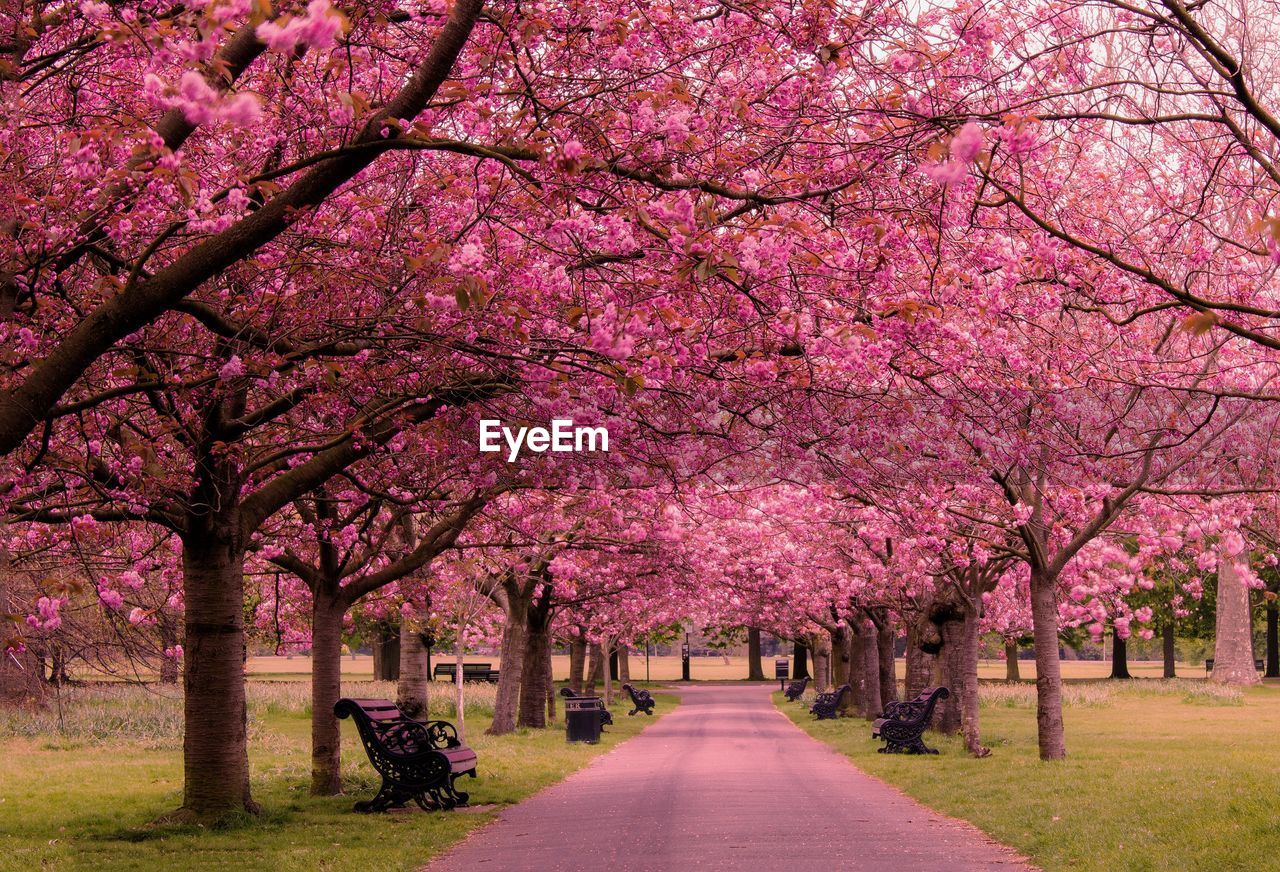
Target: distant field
x=715 y=668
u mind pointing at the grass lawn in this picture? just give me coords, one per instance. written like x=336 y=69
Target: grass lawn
x=86 y=802
x=1159 y=775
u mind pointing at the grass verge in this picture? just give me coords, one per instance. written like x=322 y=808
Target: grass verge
x=1159 y=776
x=81 y=798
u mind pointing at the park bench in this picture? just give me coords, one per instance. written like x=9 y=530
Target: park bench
x=606 y=717
x=904 y=723
x=641 y=699
x=470 y=671
x=795 y=689
x=826 y=704
x=417 y=760
x=1259 y=665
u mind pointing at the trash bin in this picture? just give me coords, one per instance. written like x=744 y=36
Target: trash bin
x=781 y=669
x=582 y=719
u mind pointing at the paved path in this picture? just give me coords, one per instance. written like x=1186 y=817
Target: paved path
x=725 y=782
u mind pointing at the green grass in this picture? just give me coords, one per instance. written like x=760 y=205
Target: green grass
x=1159 y=776
x=83 y=799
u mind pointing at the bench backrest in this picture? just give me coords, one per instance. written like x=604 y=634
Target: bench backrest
x=918 y=710
x=383 y=726
x=636 y=695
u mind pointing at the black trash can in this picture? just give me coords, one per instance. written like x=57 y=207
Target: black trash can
x=582 y=719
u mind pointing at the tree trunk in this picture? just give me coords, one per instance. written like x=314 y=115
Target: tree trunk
x=613 y=663
x=885 y=637
x=533 y=680
x=326 y=690
x=214 y=748
x=624 y=664
x=840 y=672
x=594 y=668
x=1044 y=618
x=551 y=689
x=20 y=682
x=871 y=706
x=947 y=716
x=755 y=668
x=512 y=667
x=800 y=660
x=963 y=645
x=1119 y=656
x=856 y=645
x=57 y=664
x=1273 y=640
x=607 y=673
x=1233 y=639
x=577 y=662
x=821 y=651
x=459 y=684
x=1170 y=651
x=386 y=652
x=1011 y=660
x=920 y=663
x=413 y=689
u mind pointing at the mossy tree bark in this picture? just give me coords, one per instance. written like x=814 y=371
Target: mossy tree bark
x=1233 y=637
x=413 y=688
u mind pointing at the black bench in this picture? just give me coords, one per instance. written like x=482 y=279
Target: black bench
x=1259 y=665
x=641 y=699
x=470 y=671
x=827 y=704
x=796 y=689
x=904 y=723
x=417 y=760
x=606 y=717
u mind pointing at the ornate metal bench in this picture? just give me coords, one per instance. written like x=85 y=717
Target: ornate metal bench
x=796 y=689
x=606 y=717
x=641 y=699
x=904 y=723
x=417 y=760
x=826 y=704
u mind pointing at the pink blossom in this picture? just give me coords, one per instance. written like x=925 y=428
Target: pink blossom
x=241 y=110
x=946 y=172
x=967 y=143
x=233 y=368
x=112 y=599
x=140 y=617
x=319 y=28
x=94 y=11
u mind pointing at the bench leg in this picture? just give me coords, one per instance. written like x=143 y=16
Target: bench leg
x=386 y=797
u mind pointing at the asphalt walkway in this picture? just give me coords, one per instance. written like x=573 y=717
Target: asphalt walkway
x=725 y=782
